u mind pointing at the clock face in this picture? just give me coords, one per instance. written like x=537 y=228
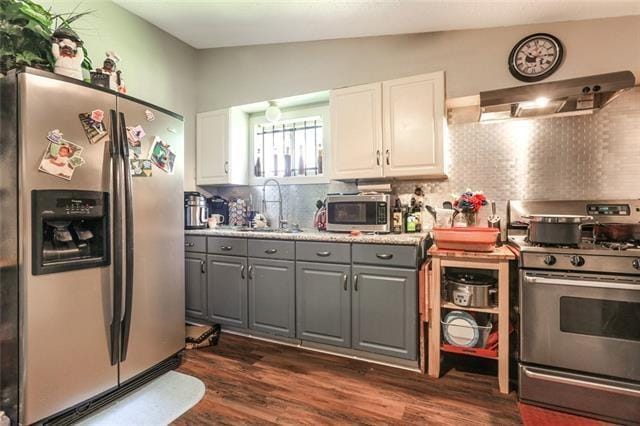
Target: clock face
x=535 y=57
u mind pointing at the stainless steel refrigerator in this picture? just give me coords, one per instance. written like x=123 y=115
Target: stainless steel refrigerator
x=91 y=269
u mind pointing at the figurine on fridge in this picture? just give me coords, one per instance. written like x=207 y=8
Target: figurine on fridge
x=108 y=76
x=66 y=48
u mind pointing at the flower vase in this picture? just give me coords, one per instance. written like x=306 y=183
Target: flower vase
x=471 y=218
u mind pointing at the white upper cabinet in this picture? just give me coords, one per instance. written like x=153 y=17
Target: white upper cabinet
x=413 y=118
x=221 y=148
x=390 y=129
x=356 y=128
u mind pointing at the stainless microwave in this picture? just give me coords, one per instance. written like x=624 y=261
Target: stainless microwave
x=367 y=213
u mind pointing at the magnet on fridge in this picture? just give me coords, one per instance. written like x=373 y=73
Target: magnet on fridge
x=162 y=155
x=61 y=159
x=135 y=133
x=140 y=167
x=54 y=136
x=149 y=114
x=93 y=126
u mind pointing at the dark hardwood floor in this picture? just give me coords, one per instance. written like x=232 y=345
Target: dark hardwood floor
x=256 y=382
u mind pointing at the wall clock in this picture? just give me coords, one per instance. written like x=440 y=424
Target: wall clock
x=536 y=57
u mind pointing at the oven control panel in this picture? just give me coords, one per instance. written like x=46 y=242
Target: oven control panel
x=584 y=263
x=608 y=209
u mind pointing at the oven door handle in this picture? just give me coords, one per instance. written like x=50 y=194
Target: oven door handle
x=581 y=283
x=581 y=383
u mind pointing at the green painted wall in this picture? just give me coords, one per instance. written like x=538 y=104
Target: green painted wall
x=156 y=66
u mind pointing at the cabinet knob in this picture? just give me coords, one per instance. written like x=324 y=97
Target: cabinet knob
x=387 y=155
x=250 y=272
x=384 y=256
x=271 y=251
x=355 y=282
x=188 y=244
x=226 y=167
x=226 y=248
x=202 y=267
x=324 y=253
x=242 y=272
x=345 y=277
x=378 y=157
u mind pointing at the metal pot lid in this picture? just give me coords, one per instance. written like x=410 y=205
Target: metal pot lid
x=470 y=279
x=557 y=218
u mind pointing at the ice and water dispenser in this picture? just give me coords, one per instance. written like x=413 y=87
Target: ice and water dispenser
x=70 y=230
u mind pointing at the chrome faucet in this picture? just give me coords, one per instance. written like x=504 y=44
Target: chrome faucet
x=281 y=222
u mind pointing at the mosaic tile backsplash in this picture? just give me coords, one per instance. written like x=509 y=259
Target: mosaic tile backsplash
x=582 y=157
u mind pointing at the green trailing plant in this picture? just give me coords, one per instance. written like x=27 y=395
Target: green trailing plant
x=25 y=34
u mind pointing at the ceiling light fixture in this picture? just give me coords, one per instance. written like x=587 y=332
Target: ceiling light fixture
x=273 y=113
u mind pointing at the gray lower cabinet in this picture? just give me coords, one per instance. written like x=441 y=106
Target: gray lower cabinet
x=227 y=290
x=384 y=311
x=323 y=303
x=272 y=296
x=195 y=282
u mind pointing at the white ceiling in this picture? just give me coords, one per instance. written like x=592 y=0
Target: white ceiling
x=219 y=23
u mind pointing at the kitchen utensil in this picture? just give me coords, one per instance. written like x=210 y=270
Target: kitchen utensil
x=471 y=290
x=616 y=232
x=460 y=328
x=219 y=205
x=444 y=218
x=195 y=210
x=432 y=212
x=556 y=229
x=320 y=218
x=493 y=221
x=469 y=239
x=215 y=220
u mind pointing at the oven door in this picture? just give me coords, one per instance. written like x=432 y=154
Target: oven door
x=588 y=323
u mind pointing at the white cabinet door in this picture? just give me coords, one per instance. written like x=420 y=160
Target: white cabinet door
x=413 y=118
x=212 y=147
x=356 y=132
x=221 y=147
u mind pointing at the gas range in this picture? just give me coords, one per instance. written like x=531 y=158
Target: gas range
x=588 y=256
x=609 y=257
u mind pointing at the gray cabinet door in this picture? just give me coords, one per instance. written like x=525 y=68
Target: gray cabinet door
x=195 y=284
x=227 y=290
x=323 y=308
x=272 y=296
x=385 y=311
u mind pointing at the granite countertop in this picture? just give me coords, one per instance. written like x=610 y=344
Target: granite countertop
x=313 y=235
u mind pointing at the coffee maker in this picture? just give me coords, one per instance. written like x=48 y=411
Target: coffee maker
x=70 y=230
x=196 y=212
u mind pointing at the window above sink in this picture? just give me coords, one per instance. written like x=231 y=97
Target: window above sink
x=294 y=149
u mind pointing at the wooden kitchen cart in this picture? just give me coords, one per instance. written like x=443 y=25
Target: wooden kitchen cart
x=497 y=260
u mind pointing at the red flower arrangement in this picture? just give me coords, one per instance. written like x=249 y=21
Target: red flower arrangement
x=470 y=202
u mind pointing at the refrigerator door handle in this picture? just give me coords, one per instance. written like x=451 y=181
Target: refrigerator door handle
x=114 y=150
x=129 y=259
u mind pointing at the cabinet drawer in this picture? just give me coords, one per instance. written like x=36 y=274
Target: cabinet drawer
x=272 y=249
x=195 y=243
x=323 y=252
x=227 y=246
x=386 y=255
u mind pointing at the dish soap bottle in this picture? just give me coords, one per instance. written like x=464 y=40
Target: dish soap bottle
x=396 y=224
x=417 y=213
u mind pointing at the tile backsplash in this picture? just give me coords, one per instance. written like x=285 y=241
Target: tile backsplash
x=593 y=156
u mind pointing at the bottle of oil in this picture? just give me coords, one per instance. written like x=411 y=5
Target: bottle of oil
x=397 y=219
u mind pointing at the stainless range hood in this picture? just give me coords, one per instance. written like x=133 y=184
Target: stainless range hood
x=565 y=97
